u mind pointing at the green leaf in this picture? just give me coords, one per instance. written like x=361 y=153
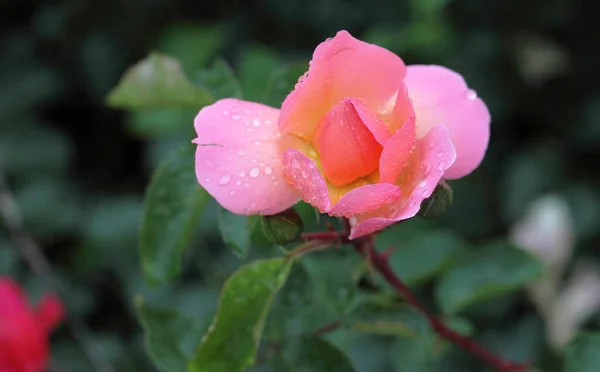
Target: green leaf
x=282 y=81
x=173 y=203
x=220 y=80
x=236 y=231
x=414 y=354
x=583 y=353
x=254 y=68
x=234 y=336
x=159 y=122
x=426 y=256
x=313 y=354
x=492 y=271
x=169 y=337
x=192 y=44
x=388 y=319
x=295 y=308
x=157 y=81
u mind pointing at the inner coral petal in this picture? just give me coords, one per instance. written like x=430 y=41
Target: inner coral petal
x=396 y=152
x=432 y=156
x=239 y=155
x=342 y=67
x=347 y=148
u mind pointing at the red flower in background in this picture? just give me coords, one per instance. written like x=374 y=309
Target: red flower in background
x=24 y=330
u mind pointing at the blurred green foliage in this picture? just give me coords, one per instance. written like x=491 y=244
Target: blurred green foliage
x=79 y=171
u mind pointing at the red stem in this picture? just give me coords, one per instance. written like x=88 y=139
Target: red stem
x=322 y=235
x=364 y=246
x=327 y=328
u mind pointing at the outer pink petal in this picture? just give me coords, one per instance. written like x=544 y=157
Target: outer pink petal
x=342 y=67
x=302 y=173
x=432 y=156
x=238 y=160
x=366 y=199
x=441 y=95
x=396 y=153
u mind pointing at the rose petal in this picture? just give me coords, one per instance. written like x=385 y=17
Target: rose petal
x=302 y=173
x=342 y=67
x=365 y=199
x=347 y=148
x=432 y=156
x=441 y=95
x=238 y=159
x=378 y=127
x=396 y=153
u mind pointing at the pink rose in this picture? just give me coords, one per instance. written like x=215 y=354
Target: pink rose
x=361 y=136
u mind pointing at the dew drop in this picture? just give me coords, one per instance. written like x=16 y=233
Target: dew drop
x=254 y=172
x=246 y=111
x=207 y=180
x=241 y=153
x=237 y=183
x=305 y=174
x=226 y=112
x=440 y=154
x=442 y=165
x=252 y=205
x=242 y=174
x=353 y=221
x=423 y=184
x=210 y=164
x=471 y=94
x=224 y=180
x=256 y=123
x=268 y=170
x=235 y=117
x=277 y=135
x=249 y=130
x=232 y=192
x=256 y=143
x=268 y=122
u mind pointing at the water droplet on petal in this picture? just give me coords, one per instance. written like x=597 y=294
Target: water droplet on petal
x=235 y=117
x=440 y=154
x=267 y=122
x=277 y=135
x=268 y=170
x=257 y=143
x=249 y=130
x=241 y=153
x=210 y=164
x=232 y=192
x=242 y=174
x=237 y=183
x=254 y=172
x=471 y=94
x=256 y=123
x=353 y=221
x=207 y=180
x=224 y=180
x=423 y=184
x=246 y=111
x=442 y=165
x=226 y=112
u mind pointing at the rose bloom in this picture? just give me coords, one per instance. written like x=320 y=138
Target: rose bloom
x=24 y=330
x=361 y=136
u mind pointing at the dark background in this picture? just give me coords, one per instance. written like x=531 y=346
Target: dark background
x=78 y=169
